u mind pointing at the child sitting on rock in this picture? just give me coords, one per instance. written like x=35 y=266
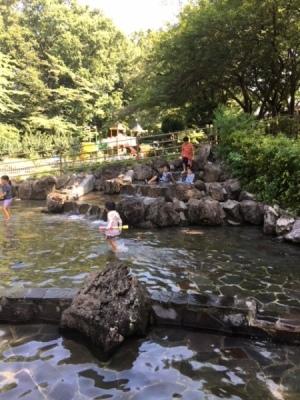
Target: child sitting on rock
x=164 y=176
x=188 y=178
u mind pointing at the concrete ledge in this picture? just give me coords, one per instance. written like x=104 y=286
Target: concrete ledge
x=223 y=314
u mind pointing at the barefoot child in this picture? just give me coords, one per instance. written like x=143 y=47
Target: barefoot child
x=6 y=196
x=113 y=228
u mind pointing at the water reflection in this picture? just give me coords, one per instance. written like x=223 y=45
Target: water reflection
x=37 y=363
x=45 y=250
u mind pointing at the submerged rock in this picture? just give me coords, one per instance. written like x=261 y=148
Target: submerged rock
x=111 y=306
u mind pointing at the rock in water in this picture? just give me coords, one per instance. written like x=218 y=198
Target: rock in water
x=111 y=306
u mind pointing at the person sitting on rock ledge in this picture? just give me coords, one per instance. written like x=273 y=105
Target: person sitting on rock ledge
x=187 y=178
x=164 y=176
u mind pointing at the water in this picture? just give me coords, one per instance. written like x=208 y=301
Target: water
x=41 y=250
x=37 y=363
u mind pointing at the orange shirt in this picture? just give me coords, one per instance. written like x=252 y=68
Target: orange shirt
x=187 y=151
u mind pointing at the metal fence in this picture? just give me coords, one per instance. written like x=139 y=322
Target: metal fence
x=149 y=146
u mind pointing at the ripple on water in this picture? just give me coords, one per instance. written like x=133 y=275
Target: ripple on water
x=39 y=250
x=168 y=364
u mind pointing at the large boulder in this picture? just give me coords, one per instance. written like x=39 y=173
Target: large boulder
x=212 y=172
x=294 y=234
x=55 y=203
x=163 y=214
x=85 y=186
x=143 y=172
x=202 y=157
x=284 y=225
x=185 y=192
x=233 y=188
x=216 y=191
x=111 y=306
x=252 y=212
x=205 y=212
x=37 y=189
x=270 y=219
x=233 y=211
x=132 y=210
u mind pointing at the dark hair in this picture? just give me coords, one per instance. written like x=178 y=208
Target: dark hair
x=110 y=205
x=186 y=139
x=6 y=178
x=167 y=166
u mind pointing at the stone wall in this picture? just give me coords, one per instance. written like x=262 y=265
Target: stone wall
x=223 y=314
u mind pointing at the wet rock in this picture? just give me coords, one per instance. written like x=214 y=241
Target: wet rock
x=233 y=211
x=294 y=234
x=111 y=187
x=143 y=172
x=216 y=191
x=205 y=212
x=163 y=214
x=233 y=188
x=284 y=225
x=108 y=172
x=252 y=212
x=111 y=306
x=70 y=207
x=83 y=208
x=246 y=196
x=270 y=219
x=132 y=210
x=212 y=172
x=55 y=203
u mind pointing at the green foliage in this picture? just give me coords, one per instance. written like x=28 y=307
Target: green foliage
x=269 y=166
x=62 y=67
x=223 y=51
x=9 y=140
x=172 y=123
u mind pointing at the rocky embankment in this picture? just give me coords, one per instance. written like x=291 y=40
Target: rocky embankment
x=214 y=199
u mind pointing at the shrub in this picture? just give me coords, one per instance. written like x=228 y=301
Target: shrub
x=267 y=165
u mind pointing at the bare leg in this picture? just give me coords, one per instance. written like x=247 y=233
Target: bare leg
x=113 y=245
x=6 y=213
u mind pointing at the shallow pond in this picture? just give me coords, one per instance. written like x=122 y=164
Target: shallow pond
x=37 y=363
x=44 y=250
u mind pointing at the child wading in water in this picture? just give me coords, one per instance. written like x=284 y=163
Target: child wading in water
x=6 y=196
x=113 y=228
